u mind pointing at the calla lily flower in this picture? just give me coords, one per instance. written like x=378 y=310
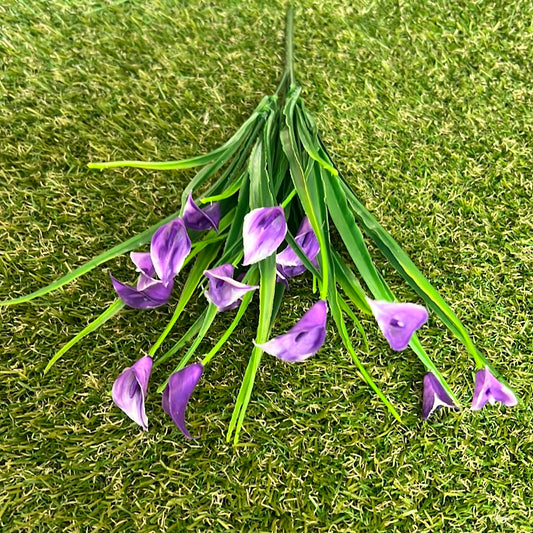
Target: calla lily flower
x=152 y=294
x=488 y=389
x=304 y=339
x=435 y=396
x=169 y=247
x=263 y=231
x=224 y=291
x=129 y=390
x=288 y=263
x=398 y=321
x=176 y=395
x=201 y=219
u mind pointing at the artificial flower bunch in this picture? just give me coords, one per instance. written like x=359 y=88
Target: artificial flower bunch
x=258 y=213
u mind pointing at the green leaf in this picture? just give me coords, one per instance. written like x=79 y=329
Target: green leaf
x=267 y=289
x=186 y=337
x=110 y=312
x=204 y=328
x=197 y=161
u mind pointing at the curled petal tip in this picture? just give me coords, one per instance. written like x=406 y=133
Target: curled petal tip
x=398 y=321
x=304 y=339
x=143 y=262
x=263 y=231
x=488 y=389
x=129 y=390
x=435 y=396
x=201 y=219
x=177 y=393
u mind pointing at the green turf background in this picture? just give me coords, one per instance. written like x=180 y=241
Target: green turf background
x=427 y=106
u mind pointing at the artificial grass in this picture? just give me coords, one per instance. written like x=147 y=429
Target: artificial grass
x=427 y=107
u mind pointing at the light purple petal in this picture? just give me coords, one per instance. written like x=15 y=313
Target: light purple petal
x=398 y=321
x=154 y=295
x=308 y=242
x=263 y=231
x=488 y=389
x=223 y=290
x=169 y=247
x=143 y=262
x=435 y=396
x=145 y=281
x=304 y=339
x=129 y=390
x=177 y=393
x=201 y=219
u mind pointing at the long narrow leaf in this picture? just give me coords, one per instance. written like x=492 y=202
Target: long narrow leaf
x=110 y=312
x=195 y=275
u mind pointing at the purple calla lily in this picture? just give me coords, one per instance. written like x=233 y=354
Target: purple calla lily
x=488 y=389
x=129 y=390
x=201 y=219
x=435 y=396
x=150 y=293
x=288 y=263
x=224 y=291
x=176 y=395
x=263 y=231
x=169 y=247
x=304 y=339
x=398 y=321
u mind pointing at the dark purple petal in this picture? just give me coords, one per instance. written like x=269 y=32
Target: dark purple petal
x=488 y=389
x=263 y=231
x=169 y=247
x=223 y=290
x=398 y=321
x=201 y=219
x=435 y=396
x=306 y=239
x=129 y=390
x=153 y=295
x=304 y=339
x=177 y=393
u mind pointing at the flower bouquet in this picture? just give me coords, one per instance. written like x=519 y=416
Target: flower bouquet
x=261 y=211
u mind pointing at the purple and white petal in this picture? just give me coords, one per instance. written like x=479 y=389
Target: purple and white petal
x=435 y=396
x=169 y=247
x=488 y=389
x=129 y=390
x=308 y=242
x=143 y=262
x=201 y=219
x=398 y=321
x=153 y=295
x=304 y=339
x=263 y=231
x=223 y=290
x=177 y=393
